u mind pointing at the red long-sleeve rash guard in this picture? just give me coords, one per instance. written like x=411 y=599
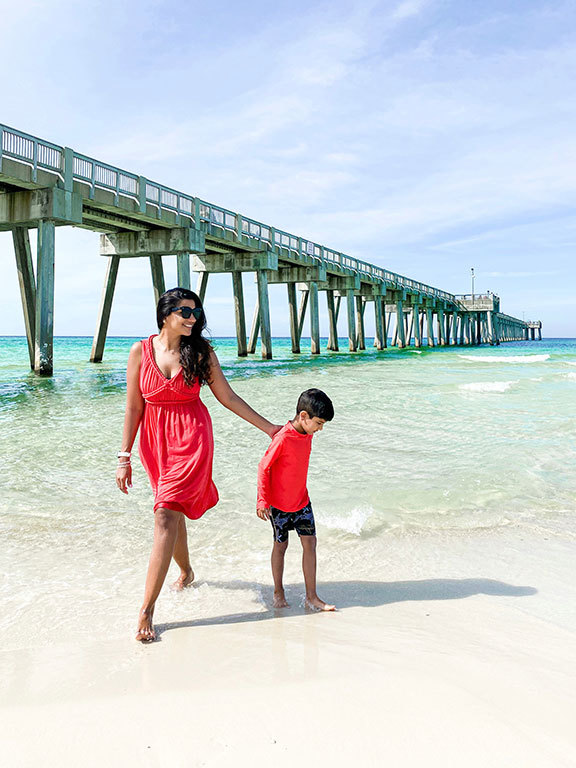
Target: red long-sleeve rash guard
x=283 y=471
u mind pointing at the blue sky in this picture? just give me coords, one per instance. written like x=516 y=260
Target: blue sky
x=428 y=136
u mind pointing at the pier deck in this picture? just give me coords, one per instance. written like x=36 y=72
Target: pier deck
x=44 y=186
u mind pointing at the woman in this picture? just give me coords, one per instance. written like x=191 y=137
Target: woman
x=164 y=377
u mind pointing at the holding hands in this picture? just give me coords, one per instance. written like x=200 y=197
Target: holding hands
x=263 y=513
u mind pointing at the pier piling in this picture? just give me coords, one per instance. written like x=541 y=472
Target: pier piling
x=27 y=282
x=44 y=323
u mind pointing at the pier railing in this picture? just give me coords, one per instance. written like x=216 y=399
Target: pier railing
x=69 y=166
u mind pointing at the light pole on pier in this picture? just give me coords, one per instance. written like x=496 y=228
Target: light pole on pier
x=472 y=276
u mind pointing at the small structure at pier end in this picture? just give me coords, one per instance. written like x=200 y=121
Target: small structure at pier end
x=44 y=186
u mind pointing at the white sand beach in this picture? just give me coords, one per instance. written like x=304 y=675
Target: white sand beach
x=462 y=660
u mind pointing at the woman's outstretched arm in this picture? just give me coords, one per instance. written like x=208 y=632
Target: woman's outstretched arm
x=132 y=417
x=225 y=395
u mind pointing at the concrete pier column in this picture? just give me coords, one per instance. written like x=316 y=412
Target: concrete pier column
x=183 y=270
x=441 y=328
x=293 y=310
x=332 y=324
x=385 y=321
x=239 y=313
x=158 y=283
x=395 y=334
x=401 y=332
x=378 y=324
x=254 y=329
x=540 y=334
x=360 y=334
x=496 y=325
x=314 y=319
x=27 y=282
x=430 y=327
x=454 y=328
x=416 y=323
x=202 y=284
x=351 y=320
x=264 y=303
x=302 y=312
x=409 y=326
x=44 y=321
x=105 y=308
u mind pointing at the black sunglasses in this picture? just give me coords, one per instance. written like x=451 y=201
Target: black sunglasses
x=187 y=312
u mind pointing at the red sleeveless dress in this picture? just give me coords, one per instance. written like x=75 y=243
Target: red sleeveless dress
x=176 y=443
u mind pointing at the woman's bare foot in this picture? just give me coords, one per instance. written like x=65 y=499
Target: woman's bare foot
x=280 y=600
x=184 y=580
x=318 y=605
x=145 y=633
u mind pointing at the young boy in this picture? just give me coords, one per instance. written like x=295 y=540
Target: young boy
x=283 y=496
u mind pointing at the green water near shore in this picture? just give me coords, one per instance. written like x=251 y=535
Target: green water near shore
x=447 y=440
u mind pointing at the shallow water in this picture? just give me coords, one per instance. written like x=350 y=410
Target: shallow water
x=446 y=441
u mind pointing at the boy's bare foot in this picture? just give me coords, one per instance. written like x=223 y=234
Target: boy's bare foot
x=184 y=580
x=318 y=605
x=280 y=600
x=145 y=633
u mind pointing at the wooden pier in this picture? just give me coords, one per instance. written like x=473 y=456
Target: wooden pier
x=44 y=186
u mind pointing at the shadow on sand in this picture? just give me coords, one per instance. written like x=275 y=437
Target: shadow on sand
x=349 y=594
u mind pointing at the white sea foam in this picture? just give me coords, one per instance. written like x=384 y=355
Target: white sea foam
x=505 y=358
x=352 y=523
x=488 y=386
x=571 y=376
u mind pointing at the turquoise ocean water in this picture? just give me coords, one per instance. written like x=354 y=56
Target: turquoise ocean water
x=452 y=440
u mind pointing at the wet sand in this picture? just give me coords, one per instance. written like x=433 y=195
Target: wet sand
x=470 y=663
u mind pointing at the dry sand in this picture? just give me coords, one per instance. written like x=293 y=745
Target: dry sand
x=475 y=668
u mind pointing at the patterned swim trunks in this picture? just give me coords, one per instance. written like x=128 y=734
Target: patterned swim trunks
x=302 y=522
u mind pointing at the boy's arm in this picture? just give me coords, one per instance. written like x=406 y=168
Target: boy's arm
x=264 y=478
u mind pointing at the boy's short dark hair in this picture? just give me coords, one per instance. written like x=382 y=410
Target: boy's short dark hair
x=316 y=404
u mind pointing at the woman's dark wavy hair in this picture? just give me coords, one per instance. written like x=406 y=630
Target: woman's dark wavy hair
x=194 y=349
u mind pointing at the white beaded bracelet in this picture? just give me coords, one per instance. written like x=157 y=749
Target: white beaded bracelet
x=127 y=454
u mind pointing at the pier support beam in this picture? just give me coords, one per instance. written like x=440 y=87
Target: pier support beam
x=183 y=270
x=239 y=314
x=27 y=282
x=400 y=329
x=441 y=328
x=454 y=328
x=293 y=309
x=105 y=308
x=385 y=323
x=416 y=324
x=302 y=312
x=351 y=320
x=158 y=283
x=44 y=322
x=332 y=322
x=254 y=329
x=430 y=327
x=202 y=284
x=379 y=333
x=314 y=319
x=265 y=334
x=360 y=334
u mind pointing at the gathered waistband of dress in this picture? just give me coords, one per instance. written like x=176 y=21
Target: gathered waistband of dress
x=171 y=402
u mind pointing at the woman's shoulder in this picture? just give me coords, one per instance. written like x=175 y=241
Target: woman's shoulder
x=136 y=350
